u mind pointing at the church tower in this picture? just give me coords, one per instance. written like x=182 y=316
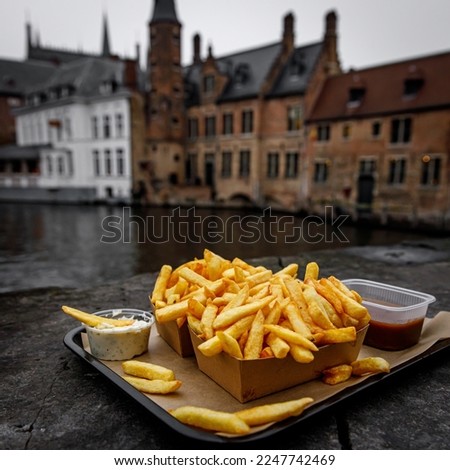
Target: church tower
x=165 y=99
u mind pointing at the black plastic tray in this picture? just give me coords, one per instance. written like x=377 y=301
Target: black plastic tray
x=74 y=342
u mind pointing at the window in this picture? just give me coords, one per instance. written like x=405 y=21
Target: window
x=106 y=127
x=60 y=165
x=69 y=163
x=273 y=165
x=108 y=163
x=226 y=164
x=247 y=121
x=227 y=124
x=291 y=165
x=323 y=132
x=192 y=128
x=412 y=86
x=210 y=126
x=119 y=125
x=397 y=168
x=96 y=158
x=376 y=129
x=355 y=96
x=346 y=131
x=191 y=168
x=94 y=127
x=120 y=162
x=244 y=163
x=209 y=83
x=401 y=130
x=49 y=165
x=367 y=167
x=320 y=172
x=295 y=118
x=431 y=171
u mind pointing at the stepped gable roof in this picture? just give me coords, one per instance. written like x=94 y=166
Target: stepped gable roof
x=84 y=76
x=17 y=76
x=164 y=11
x=384 y=89
x=295 y=75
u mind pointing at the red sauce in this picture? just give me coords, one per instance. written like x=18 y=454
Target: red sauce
x=393 y=336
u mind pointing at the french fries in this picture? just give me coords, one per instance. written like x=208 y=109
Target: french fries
x=242 y=421
x=366 y=366
x=251 y=312
x=150 y=378
x=94 y=320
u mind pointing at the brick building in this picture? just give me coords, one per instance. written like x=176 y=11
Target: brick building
x=379 y=142
x=230 y=130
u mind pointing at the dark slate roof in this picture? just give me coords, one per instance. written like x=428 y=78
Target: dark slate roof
x=84 y=76
x=295 y=76
x=384 y=89
x=16 y=152
x=17 y=76
x=56 y=56
x=255 y=63
x=164 y=11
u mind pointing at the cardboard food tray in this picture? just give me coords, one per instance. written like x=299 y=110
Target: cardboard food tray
x=200 y=390
x=177 y=338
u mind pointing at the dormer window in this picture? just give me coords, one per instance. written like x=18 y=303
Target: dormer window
x=297 y=66
x=209 y=82
x=412 y=86
x=106 y=87
x=355 y=96
x=241 y=74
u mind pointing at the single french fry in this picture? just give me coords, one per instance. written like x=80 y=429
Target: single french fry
x=94 y=320
x=370 y=365
x=292 y=313
x=315 y=309
x=230 y=345
x=311 y=271
x=273 y=412
x=195 y=307
x=266 y=353
x=160 y=387
x=146 y=370
x=207 y=320
x=193 y=277
x=161 y=283
x=210 y=420
x=337 y=374
x=258 y=278
x=213 y=346
x=334 y=336
x=342 y=287
x=300 y=354
x=171 y=312
x=291 y=336
x=240 y=299
x=227 y=317
x=253 y=346
x=180 y=321
x=290 y=270
x=239 y=274
x=280 y=348
x=274 y=313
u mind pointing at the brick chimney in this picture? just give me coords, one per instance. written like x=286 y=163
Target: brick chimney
x=288 y=32
x=330 y=39
x=197 y=46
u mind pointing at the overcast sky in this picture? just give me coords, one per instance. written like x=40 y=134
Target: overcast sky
x=370 y=31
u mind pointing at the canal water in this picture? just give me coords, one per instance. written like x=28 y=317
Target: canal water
x=78 y=246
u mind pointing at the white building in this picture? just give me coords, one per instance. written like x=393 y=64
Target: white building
x=80 y=121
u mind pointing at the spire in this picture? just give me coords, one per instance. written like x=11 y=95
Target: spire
x=106 y=51
x=164 y=10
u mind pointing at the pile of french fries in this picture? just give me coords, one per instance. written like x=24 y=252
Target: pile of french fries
x=251 y=312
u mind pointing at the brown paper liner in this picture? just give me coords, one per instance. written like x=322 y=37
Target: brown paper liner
x=199 y=390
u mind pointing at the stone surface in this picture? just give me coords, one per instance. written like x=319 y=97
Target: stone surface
x=51 y=399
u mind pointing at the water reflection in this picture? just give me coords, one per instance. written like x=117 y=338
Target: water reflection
x=72 y=246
